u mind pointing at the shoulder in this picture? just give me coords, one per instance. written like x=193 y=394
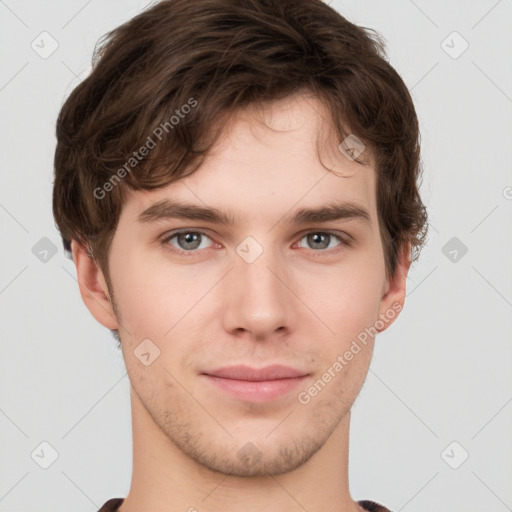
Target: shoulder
x=111 y=505
x=371 y=506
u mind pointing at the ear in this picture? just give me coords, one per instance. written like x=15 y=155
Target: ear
x=93 y=287
x=393 y=297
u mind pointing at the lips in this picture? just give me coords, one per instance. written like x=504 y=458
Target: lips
x=255 y=384
x=247 y=373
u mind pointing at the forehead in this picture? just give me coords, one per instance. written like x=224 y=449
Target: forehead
x=268 y=162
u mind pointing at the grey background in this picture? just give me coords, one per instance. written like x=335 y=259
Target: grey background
x=440 y=374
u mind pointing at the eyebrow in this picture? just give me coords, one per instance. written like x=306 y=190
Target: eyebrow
x=169 y=209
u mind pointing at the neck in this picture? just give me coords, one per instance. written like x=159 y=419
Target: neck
x=166 y=479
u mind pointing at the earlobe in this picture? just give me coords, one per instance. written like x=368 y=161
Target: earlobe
x=394 y=294
x=93 y=287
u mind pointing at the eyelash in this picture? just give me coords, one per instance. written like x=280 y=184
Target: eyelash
x=344 y=242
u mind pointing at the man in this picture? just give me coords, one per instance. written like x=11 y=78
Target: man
x=238 y=185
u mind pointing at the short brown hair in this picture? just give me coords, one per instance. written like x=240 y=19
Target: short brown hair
x=225 y=55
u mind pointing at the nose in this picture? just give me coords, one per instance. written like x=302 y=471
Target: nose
x=259 y=302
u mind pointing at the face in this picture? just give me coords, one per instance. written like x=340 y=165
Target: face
x=194 y=295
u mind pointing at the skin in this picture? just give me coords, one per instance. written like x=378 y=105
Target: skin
x=299 y=303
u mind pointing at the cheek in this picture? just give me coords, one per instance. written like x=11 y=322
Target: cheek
x=346 y=298
x=157 y=299
x=156 y=304
x=143 y=297
x=349 y=307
